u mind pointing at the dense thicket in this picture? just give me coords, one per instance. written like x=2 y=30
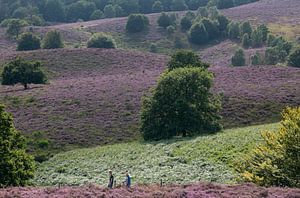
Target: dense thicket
x=73 y=10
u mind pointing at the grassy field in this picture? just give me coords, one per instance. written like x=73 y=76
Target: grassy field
x=204 y=158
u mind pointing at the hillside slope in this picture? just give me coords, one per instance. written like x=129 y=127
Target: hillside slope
x=94 y=95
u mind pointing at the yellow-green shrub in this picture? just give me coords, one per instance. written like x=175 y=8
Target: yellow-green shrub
x=276 y=161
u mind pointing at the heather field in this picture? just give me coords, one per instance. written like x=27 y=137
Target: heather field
x=208 y=190
x=94 y=95
x=206 y=158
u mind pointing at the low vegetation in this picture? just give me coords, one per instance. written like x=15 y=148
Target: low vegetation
x=53 y=40
x=204 y=158
x=276 y=161
x=101 y=40
x=28 y=41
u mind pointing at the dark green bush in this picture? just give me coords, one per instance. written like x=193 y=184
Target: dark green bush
x=101 y=40
x=165 y=20
x=294 y=58
x=137 y=23
x=28 y=41
x=53 y=40
x=198 y=34
x=246 y=42
x=239 y=58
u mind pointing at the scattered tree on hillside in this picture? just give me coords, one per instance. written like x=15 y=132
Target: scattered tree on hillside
x=16 y=166
x=181 y=104
x=198 y=34
x=165 y=20
x=211 y=28
x=245 y=28
x=54 y=11
x=14 y=27
x=137 y=23
x=256 y=59
x=203 y=12
x=185 y=23
x=23 y=72
x=276 y=161
x=223 y=23
x=28 y=41
x=101 y=40
x=233 y=30
x=246 y=41
x=53 y=40
x=109 y=11
x=157 y=7
x=264 y=31
x=294 y=58
x=257 y=38
x=185 y=58
x=239 y=58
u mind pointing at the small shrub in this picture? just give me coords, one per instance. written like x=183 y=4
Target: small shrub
x=53 y=40
x=186 y=23
x=246 y=42
x=245 y=28
x=294 y=58
x=28 y=41
x=137 y=23
x=170 y=30
x=101 y=40
x=180 y=42
x=256 y=59
x=43 y=143
x=257 y=38
x=165 y=20
x=276 y=161
x=233 y=30
x=239 y=58
x=153 y=48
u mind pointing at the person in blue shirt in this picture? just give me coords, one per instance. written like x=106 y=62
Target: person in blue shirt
x=127 y=181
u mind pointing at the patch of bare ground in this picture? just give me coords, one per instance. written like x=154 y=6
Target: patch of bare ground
x=94 y=94
x=144 y=191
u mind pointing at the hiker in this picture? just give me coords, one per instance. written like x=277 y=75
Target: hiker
x=111 y=179
x=127 y=181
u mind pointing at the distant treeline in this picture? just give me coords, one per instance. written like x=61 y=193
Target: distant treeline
x=38 y=12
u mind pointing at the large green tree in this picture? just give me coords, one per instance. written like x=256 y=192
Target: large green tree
x=16 y=166
x=23 y=72
x=181 y=104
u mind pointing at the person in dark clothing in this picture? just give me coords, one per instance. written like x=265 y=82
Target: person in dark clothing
x=111 y=180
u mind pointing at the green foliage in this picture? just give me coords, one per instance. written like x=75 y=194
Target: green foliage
x=245 y=28
x=185 y=58
x=157 y=7
x=109 y=11
x=137 y=23
x=101 y=40
x=171 y=30
x=181 y=104
x=203 y=12
x=16 y=166
x=278 y=51
x=53 y=40
x=221 y=4
x=256 y=59
x=14 y=27
x=276 y=161
x=211 y=28
x=24 y=72
x=153 y=48
x=238 y=58
x=246 y=41
x=264 y=31
x=180 y=42
x=97 y=14
x=80 y=10
x=207 y=158
x=28 y=41
x=233 y=30
x=198 y=34
x=54 y=11
x=165 y=20
x=223 y=23
x=178 y=5
x=185 y=23
x=257 y=38
x=294 y=58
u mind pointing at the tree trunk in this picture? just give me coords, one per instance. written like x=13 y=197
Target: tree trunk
x=25 y=86
x=184 y=134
